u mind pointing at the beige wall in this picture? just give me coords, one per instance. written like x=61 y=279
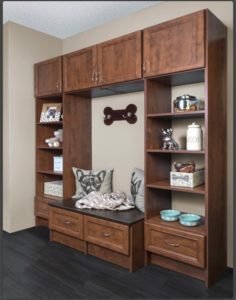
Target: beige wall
x=120 y=145
x=22 y=47
x=147 y=17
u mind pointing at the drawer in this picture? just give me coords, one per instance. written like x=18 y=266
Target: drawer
x=41 y=207
x=67 y=222
x=186 y=247
x=107 y=234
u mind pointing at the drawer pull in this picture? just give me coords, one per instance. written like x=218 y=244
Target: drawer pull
x=67 y=222
x=172 y=244
x=106 y=234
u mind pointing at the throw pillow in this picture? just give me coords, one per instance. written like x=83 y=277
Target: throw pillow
x=88 y=181
x=137 y=188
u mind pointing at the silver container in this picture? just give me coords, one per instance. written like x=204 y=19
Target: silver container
x=186 y=103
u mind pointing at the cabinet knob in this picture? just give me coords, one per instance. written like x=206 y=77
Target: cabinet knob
x=93 y=77
x=57 y=86
x=97 y=77
x=144 y=66
x=67 y=222
x=106 y=234
x=172 y=244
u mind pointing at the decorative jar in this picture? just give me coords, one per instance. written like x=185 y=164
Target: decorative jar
x=194 y=137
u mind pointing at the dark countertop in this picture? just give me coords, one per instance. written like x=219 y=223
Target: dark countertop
x=127 y=217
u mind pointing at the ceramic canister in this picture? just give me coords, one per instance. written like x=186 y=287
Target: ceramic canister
x=194 y=137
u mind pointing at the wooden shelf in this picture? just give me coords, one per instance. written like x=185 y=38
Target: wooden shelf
x=50 y=172
x=165 y=185
x=56 y=198
x=175 y=151
x=178 y=115
x=49 y=148
x=200 y=229
x=50 y=123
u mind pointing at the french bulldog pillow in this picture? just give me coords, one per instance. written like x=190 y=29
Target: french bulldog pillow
x=88 y=181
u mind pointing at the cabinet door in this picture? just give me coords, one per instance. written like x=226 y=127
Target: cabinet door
x=176 y=45
x=120 y=59
x=48 y=77
x=79 y=69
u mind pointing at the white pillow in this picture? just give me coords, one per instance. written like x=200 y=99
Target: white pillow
x=137 y=188
x=87 y=181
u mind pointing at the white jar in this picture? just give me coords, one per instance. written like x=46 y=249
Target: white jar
x=194 y=137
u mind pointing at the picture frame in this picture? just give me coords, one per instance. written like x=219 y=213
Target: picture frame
x=51 y=112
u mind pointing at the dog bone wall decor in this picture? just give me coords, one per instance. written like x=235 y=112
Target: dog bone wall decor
x=127 y=114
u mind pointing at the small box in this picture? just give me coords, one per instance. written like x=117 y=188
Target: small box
x=183 y=179
x=54 y=188
x=57 y=163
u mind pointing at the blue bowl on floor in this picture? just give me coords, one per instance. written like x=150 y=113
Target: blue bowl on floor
x=170 y=215
x=189 y=219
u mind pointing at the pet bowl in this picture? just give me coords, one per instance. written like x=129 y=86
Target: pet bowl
x=189 y=219
x=170 y=215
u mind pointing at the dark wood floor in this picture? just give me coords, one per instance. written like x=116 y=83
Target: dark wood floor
x=35 y=268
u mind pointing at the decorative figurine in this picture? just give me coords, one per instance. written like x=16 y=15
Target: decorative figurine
x=168 y=142
x=56 y=140
x=188 y=167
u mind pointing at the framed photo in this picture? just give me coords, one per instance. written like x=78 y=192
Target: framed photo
x=51 y=112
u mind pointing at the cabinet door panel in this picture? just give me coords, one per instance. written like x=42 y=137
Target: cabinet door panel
x=48 y=77
x=176 y=45
x=79 y=69
x=120 y=59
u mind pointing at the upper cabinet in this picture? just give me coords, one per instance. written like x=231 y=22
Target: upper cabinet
x=120 y=59
x=176 y=45
x=117 y=60
x=80 y=69
x=48 y=77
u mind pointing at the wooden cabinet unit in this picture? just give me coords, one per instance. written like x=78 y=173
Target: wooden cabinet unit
x=116 y=237
x=175 y=45
x=67 y=222
x=107 y=234
x=48 y=90
x=114 y=61
x=80 y=69
x=183 y=52
x=182 y=245
x=120 y=59
x=170 y=244
x=48 y=77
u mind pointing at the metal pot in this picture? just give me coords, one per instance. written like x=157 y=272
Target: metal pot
x=186 y=103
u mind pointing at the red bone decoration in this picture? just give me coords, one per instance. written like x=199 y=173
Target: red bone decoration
x=127 y=114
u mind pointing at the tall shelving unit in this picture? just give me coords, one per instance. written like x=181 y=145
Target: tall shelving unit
x=196 y=251
x=48 y=89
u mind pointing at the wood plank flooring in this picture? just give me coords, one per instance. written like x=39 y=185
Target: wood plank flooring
x=35 y=268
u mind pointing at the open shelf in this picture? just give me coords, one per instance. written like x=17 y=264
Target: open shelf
x=182 y=77
x=200 y=229
x=165 y=185
x=50 y=172
x=50 y=123
x=56 y=198
x=175 y=151
x=49 y=148
x=178 y=115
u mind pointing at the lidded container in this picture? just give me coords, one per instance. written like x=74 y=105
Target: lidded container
x=186 y=103
x=194 y=137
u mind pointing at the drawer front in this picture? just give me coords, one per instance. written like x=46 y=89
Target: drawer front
x=67 y=222
x=41 y=207
x=187 y=248
x=107 y=234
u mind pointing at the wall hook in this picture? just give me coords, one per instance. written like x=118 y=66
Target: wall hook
x=127 y=114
